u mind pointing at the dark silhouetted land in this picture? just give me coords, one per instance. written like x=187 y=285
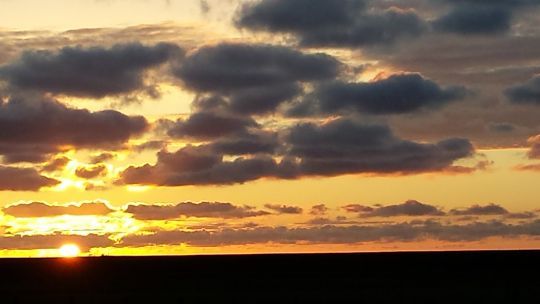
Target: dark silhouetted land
x=451 y=277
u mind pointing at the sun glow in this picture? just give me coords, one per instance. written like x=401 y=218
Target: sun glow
x=133 y=188
x=69 y=251
x=76 y=225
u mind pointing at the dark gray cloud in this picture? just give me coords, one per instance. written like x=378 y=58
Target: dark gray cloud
x=296 y=15
x=402 y=93
x=491 y=209
x=408 y=208
x=246 y=143
x=475 y=19
x=338 y=147
x=200 y=166
x=336 y=23
x=331 y=234
x=502 y=127
x=527 y=93
x=503 y=3
x=252 y=78
x=88 y=72
x=23 y=179
x=208 y=125
x=248 y=101
x=27 y=152
x=39 y=209
x=480 y=16
x=50 y=125
x=54 y=241
x=262 y=100
x=189 y=209
x=284 y=209
x=345 y=146
x=227 y=67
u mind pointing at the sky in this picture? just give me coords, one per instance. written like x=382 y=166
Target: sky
x=263 y=126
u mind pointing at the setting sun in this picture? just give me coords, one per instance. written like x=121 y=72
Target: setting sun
x=69 y=250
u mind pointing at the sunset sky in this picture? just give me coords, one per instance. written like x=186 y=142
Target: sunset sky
x=149 y=127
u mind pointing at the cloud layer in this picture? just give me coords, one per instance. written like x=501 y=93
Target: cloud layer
x=209 y=224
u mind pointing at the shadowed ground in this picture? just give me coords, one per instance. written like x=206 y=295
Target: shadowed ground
x=455 y=277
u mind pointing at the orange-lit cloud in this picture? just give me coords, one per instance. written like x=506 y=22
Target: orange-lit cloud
x=203 y=209
x=23 y=179
x=39 y=209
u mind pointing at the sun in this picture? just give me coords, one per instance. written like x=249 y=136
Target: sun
x=69 y=250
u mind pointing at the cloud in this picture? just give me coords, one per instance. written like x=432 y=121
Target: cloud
x=335 y=23
x=150 y=145
x=491 y=209
x=54 y=241
x=102 y=157
x=502 y=127
x=293 y=15
x=253 y=78
x=472 y=17
x=262 y=100
x=402 y=93
x=53 y=126
x=284 y=209
x=527 y=93
x=535 y=147
x=345 y=146
x=39 y=209
x=205 y=7
x=319 y=209
x=249 y=101
x=227 y=67
x=522 y=215
x=529 y=167
x=90 y=172
x=475 y=19
x=339 y=220
x=199 y=166
x=408 y=208
x=507 y=3
x=93 y=72
x=56 y=164
x=207 y=125
x=357 y=208
x=189 y=209
x=245 y=143
x=330 y=234
x=23 y=179
x=339 y=147
x=26 y=152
